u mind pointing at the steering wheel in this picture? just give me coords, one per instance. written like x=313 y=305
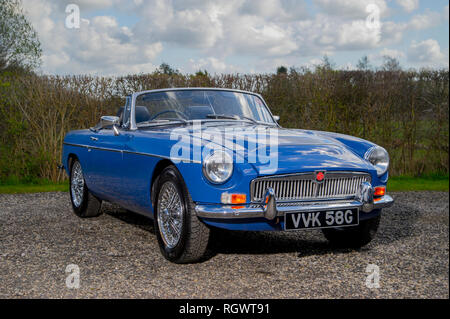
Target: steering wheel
x=184 y=116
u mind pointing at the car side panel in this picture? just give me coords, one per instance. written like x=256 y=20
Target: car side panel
x=75 y=144
x=101 y=168
x=137 y=177
x=106 y=158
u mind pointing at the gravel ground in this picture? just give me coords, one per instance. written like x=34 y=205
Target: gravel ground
x=118 y=256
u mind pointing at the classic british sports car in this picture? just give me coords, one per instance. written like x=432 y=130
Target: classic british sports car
x=196 y=159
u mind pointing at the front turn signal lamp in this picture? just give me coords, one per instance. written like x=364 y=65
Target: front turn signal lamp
x=228 y=198
x=379 y=191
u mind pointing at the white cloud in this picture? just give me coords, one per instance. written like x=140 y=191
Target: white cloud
x=275 y=10
x=233 y=26
x=351 y=9
x=199 y=26
x=392 y=32
x=427 y=52
x=211 y=64
x=327 y=34
x=253 y=35
x=266 y=28
x=268 y=33
x=100 y=45
x=408 y=5
x=424 y=21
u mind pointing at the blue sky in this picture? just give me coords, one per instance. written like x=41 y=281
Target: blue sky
x=117 y=37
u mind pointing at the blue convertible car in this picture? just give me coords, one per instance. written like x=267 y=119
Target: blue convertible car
x=195 y=159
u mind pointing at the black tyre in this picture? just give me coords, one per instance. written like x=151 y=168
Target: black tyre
x=182 y=237
x=353 y=236
x=84 y=204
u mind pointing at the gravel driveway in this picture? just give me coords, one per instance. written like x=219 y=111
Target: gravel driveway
x=118 y=256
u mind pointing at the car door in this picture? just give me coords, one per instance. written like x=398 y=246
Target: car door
x=106 y=161
x=140 y=160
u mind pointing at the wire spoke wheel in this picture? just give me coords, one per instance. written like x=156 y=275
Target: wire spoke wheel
x=77 y=184
x=170 y=214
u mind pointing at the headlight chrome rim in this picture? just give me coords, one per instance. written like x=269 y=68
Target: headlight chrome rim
x=216 y=155
x=381 y=170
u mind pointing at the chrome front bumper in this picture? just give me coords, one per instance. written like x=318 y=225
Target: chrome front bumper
x=273 y=209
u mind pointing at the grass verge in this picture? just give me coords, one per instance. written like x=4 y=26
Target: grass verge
x=33 y=188
x=428 y=183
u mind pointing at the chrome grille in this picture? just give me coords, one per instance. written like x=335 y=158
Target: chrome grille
x=304 y=187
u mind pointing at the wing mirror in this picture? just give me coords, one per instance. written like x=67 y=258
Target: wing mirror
x=276 y=118
x=107 y=122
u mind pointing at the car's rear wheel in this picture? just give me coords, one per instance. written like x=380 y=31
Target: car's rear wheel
x=353 y=236
x=84 y=204
x=182 y=237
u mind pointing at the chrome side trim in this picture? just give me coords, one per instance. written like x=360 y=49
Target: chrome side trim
x=94 y=147
x=130 y=152
x=227 y=212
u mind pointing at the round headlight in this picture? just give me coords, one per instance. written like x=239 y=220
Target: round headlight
x=379 y=158
x=218 y=167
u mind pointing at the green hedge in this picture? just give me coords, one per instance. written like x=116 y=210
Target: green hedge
x=406 y=112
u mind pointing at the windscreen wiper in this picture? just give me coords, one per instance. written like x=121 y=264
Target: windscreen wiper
x=235 y=117
x=161 y=122
x=250 y=119
x=222 y=116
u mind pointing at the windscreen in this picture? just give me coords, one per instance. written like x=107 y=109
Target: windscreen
x=200 y=105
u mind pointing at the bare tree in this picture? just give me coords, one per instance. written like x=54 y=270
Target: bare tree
x=19 y=43
x=326 y=64
x=364 y=64
x=390 y=64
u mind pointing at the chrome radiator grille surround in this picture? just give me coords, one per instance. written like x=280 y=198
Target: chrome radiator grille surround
x=293 y=187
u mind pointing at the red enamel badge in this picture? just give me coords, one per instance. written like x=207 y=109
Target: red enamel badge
x=320 y=176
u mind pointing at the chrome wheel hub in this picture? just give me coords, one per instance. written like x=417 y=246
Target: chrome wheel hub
x=170 y=214
x=77 y=184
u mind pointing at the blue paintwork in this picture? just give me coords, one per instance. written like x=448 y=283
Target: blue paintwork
x=123 y=173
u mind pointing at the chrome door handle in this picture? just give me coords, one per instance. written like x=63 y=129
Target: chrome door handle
x=94 y=138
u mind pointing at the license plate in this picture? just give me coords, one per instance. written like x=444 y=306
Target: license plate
x=321 y=219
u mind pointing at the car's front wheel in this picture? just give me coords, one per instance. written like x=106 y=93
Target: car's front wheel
x=84 y=204
x=182 y=237
x=353 y=236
